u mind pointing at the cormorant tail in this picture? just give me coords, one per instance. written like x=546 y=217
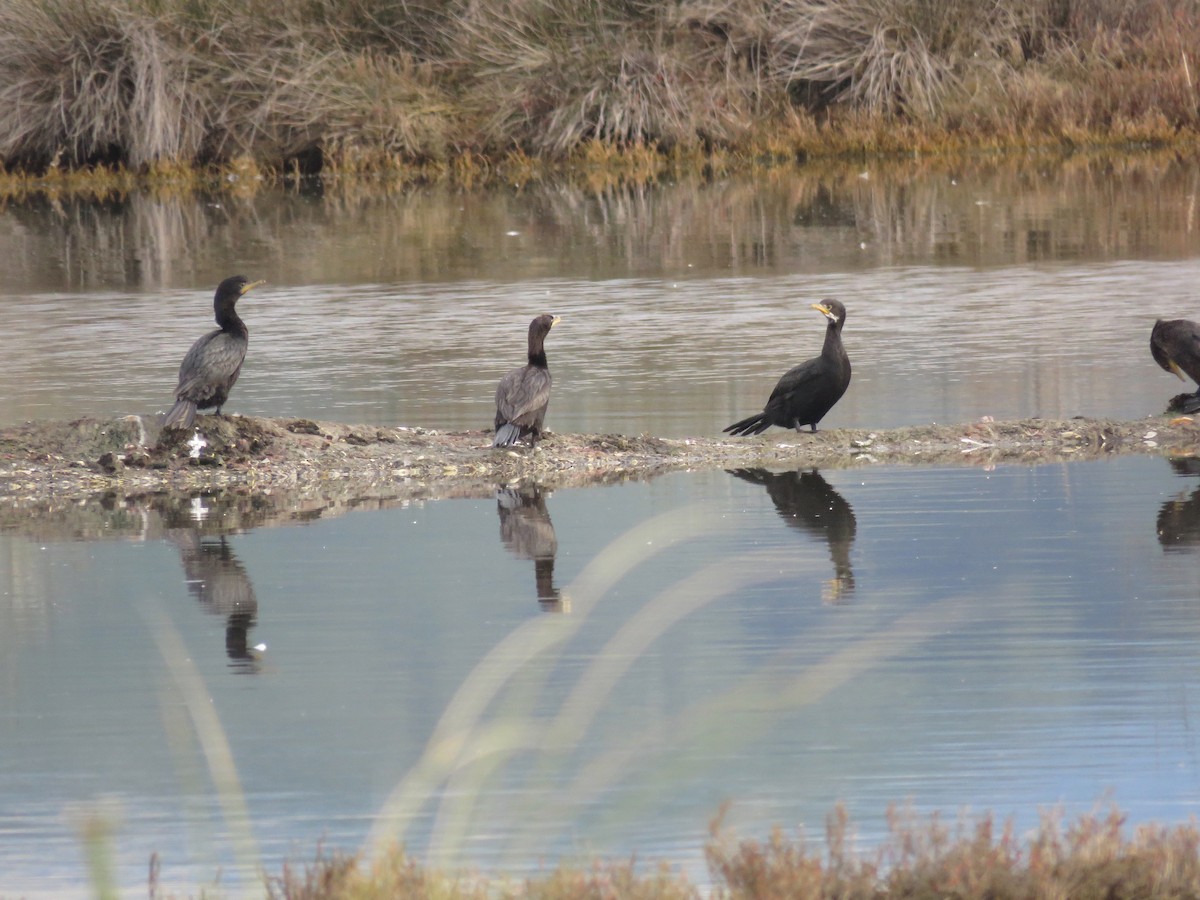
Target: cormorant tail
x=751 y=425
x=506 y=435
x=181 y=415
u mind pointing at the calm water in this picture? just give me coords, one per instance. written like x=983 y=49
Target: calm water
x=1016 y=290
x=952 y=639
x=492 y=680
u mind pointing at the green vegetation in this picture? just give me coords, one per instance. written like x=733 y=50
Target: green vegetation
x=1093 y=857
x=466 y=89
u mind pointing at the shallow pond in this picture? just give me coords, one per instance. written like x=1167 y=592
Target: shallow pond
x=507 y=682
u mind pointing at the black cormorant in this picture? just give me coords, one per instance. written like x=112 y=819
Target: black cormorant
x=1175 y=345
x=804 y=394
x=523 y=394
x=210 y=369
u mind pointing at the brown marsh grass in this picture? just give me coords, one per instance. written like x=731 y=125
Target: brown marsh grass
x=430 y=90
x=1096 y=855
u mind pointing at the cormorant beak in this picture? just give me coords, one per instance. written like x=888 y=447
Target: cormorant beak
x=1175 y=368
x=252 y=284
x=555 y=320
x=825 y=311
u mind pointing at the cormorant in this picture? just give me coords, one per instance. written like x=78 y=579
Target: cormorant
x=211 y=367
x=808 y=391
x=523 y=394
x=1175 y=345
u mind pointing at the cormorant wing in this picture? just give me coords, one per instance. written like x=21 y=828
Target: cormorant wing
x=802 y=379
x=527 y=393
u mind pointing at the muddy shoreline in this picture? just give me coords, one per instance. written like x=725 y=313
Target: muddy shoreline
x=53 y=462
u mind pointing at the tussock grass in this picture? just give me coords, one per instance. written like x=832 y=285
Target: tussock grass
x=554 y=75
x=158 y=82
x=426 y=90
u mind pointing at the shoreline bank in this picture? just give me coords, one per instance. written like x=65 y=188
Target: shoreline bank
x=46 y=462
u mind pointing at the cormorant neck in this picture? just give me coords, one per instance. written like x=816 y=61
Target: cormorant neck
x=230 y=322
x=833 y=332
x=538 y=358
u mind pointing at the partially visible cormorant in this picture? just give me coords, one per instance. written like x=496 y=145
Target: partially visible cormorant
x=523 y=394
x=211 y=367
x=1178 y=523
x=804 y=394
x=1175 y=345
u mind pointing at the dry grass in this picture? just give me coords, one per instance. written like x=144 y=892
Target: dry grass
x=554 y=75
x=425 y=89
x=1094 y=856
x=157 y=82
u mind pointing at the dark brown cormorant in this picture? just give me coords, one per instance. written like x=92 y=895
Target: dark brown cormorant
x=523 y=394
x=804 y=394
x=1175 y=345
x=210 y=369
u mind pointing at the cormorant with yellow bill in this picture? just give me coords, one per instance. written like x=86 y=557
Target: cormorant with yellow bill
x=211 y=367
x=805 y=393
x=523 y=394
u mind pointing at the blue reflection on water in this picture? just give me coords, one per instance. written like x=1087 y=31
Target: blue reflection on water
x=511 y=693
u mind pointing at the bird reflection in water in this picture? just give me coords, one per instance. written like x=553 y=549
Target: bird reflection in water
x=1179 y=519
x=218 y=580
x=807 y=501
x=527 y=532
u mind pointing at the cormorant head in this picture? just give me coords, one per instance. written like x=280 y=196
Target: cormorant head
x=234 y=286
x=832 y=310
x=542 y=324
x=1159 y=352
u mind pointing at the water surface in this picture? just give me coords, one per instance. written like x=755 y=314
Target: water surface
x=1011 y=289
x=483 y=680
x=493 y=680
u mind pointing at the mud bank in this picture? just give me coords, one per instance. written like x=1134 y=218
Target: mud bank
x=52 y=462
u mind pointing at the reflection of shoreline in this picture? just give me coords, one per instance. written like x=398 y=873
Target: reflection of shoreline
x=1178 y=523
x=806 y=501
x=216 y=578
x=527 y=533
x=1047 y=201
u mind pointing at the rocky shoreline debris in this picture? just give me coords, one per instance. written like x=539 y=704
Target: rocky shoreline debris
x=40 y=461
